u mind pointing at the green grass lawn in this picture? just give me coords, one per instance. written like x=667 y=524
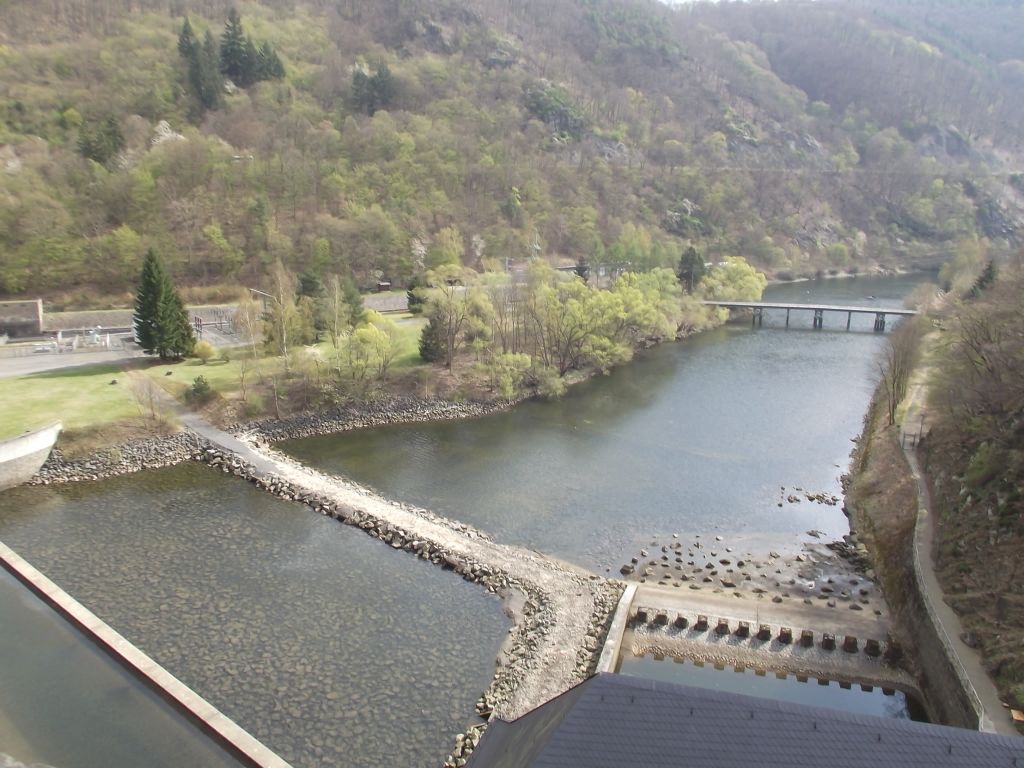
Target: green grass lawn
x=222 y=376
x=83 y=397
x=409 y=328
x=80 y=397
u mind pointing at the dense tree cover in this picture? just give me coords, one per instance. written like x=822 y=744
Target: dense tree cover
x=202 y=62
x=538 y=330
x=398 y=137
x=161 y=323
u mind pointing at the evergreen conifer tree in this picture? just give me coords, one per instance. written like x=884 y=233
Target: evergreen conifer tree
x=161 y=322
x=233 y=54
x=188 y=46
x=100 y=140
x=147 y=301
x=269 y=66
x=250 y=63
x=433 y=344
x=209 y=82
x=180 y=339
x=202 y=62
x=985 y=279
x=691 y=269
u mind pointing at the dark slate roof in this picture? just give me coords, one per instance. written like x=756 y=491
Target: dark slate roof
x=611 y=721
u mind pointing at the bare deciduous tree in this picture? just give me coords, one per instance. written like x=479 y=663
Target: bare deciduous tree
x=900 y=357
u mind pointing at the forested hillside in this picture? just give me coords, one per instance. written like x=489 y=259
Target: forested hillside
x=379 y=139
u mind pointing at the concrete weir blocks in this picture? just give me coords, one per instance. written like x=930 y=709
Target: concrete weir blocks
x=872 y=648
x=850 y=644
x=764 y=633
x=807 y=638
x=722 y=627
x=702 y=623
x=661 y=619
x=743 y=629
x=681 y=621
x=785 y=635
x=828 y=641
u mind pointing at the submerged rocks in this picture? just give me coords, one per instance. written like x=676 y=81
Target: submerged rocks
x=537 y=619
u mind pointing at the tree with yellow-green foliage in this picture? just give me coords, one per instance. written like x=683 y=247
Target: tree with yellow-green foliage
x=735 y=280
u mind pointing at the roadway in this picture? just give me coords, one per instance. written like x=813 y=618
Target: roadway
x=11 y=367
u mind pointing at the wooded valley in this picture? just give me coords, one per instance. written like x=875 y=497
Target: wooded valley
x=378 y=140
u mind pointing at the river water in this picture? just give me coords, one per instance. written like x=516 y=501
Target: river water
x=697 y=436
x=866 y=700
x=64 y=702
x=325 y=644
x=336 y=650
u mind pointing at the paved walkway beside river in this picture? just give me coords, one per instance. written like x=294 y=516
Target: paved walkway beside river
x=915 y=424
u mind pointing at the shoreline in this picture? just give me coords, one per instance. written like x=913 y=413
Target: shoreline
x=170 y=450
x=534 y=610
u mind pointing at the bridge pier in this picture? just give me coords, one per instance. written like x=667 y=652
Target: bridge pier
x=819 y=318
x=787 y=318
x=849 y=317
x=757 y=319
x=880 y=321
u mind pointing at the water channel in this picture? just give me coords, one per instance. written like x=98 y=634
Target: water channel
x=326 y=645
x=695 y=437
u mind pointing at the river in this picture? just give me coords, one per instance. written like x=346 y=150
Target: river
x=695 y=437
x=336 y=650
x=328 y=646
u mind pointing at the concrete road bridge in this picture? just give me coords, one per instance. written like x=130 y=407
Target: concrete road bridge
x=758 y=307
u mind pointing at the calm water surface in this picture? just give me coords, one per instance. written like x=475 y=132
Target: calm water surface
x=875 y=702
x=328 y=646
x=696 y=436
x=63 y=702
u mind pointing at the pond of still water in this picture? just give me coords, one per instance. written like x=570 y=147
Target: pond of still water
x=326 y=645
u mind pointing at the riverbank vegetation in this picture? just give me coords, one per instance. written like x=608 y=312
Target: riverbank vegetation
x=882 y=502
x=967 y=353
x=378 y=141
x=975 y=460
x=308 y=346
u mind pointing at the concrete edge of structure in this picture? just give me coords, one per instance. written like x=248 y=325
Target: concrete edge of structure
x=985 y=723
x=610 y=651
x=204 y=715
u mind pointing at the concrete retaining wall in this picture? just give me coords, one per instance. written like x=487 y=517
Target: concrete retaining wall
x=944 y=682
x=612 y=649
x=17 y=471
x=22 y=456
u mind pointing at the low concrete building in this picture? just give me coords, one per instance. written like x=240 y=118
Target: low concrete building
x=20 y=319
